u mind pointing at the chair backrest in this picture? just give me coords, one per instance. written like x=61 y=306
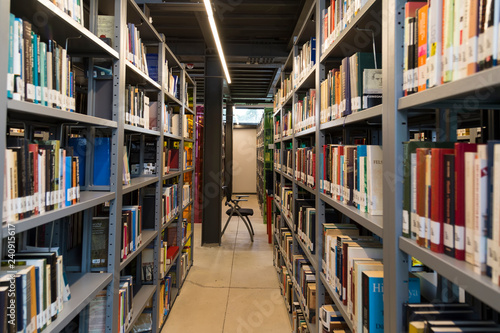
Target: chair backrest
x=227 y=193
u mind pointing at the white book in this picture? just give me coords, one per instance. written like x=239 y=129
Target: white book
x=434 y=42
x=358 y=252
x=469 y=206
x=374 y=174
x=480 y=208
x=459 y=11
x=464 y=39
x=359 y=268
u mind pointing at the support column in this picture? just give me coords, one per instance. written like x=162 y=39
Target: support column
x=212 y=153
x=228 y=147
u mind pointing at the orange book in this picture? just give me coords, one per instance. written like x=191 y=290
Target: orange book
x=471 y=55
x=422 y=47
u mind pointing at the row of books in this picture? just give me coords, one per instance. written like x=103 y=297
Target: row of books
x=165 y=298
x=354 y=86
x=305 y=166
x=450 y=191
x=277 y=158
x=39 y=177
x=304 y=61
x=188 y=155
x=167 y=255
x=287 y=201
x=304 y=278
x=283 y=92
x=277 y=130
x=305 y=111
x=446 y=40
x=305 y=221
x=352 y=175
x=171 y=82
x=186 y=194
x=170 y=202
x=335 y=18
x=38 y=71
x=73 y=8
x=138 y=109
x=136 y=51
x=331 y=319
x=286 y=124
x=285 y=239
x=288 y=162
x=353 y=268
x=185 y=262
x=33 y=290
x=445 y=318
x=97 y=307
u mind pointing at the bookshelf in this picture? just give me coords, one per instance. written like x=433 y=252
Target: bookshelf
x=468 y=102
x=172 y=95
x=264 y=160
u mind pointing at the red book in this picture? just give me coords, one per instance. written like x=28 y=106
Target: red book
x=421 y=191
x=460 y=150
x=32 y=147
x=171 y=253
x=339 y=166
x=437 y=195
x=173 y=159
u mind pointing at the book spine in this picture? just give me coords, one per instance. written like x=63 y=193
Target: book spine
x=449 y=202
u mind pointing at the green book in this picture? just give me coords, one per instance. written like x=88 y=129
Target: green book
x=359 y=62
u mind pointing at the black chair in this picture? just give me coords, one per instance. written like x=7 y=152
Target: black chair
x=235 y=208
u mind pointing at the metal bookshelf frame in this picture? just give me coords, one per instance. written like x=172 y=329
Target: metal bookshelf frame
x=85 y=285
x=386 y=17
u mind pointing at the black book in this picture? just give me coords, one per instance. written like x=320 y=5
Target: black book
x=20 y=146
x=4 y=302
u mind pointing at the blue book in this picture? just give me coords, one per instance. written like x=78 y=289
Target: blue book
x=102 y=161
x=361 y=152
x=414 y=289
x=36 y=83
x=313 y=50
x=68 y=180
x=10 y=70
x=80 y=150
x=373 y=301
x=152 y=60
x=489 y=216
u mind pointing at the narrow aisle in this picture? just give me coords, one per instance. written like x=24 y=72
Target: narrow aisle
x=232 y=288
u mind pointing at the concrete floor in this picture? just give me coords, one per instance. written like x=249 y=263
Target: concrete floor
x=232 y=288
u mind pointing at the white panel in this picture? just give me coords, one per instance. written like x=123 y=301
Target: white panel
x=244 y=160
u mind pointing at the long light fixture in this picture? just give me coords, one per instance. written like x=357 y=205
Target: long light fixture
x=210 y=14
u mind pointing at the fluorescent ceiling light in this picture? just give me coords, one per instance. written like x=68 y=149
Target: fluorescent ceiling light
x=211 y=20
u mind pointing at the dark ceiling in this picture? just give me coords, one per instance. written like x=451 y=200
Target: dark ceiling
x=256 y=35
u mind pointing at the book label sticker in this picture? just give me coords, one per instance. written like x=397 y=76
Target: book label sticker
x=38 y=93
x=492 y=254
x=459 y=237
x=30 y=91
x=10 y=82
x=448 y=235
x=435 y=233
x=469 y=240
x=406 y=222
x=488 y=43
x=421 y=227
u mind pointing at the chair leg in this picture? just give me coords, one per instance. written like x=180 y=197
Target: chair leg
x=246 y=224
x=228 y=219
x=250 y=223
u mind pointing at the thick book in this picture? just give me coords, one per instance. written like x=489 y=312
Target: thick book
x=492 y=228
x=374 y=173
x=102 y=161
x=99 y=249
x=422 y=47
x=472 y=37
x=437 y=195
x=480 y=208
x=460 y=150
x=373 y=301
x=434 y=43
